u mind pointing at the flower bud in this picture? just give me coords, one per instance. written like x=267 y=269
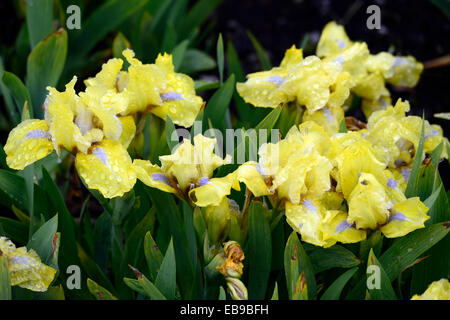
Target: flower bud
x=237 y=289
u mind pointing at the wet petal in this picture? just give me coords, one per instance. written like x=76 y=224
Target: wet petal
x=214 y=191
x=406 y=217
x=152 y=175
x=368 y=203
x=26 y=269
x=128 y=130
x=335 y=226
x=27 y=143
x=306 y=219
x=250 y=175
x=145 y=82
x=107 y=168
x=263 y=89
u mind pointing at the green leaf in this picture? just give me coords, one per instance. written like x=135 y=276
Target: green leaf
x=218 y=104
x=196 y=16
x=104 y=19
x=39 y=19
x=222 y=294
x=120 y=43
x=44 y=67
x=195 y=61
x=220 y=57
x=92 y=270
x=144 y=286
x=66 y=224
x=437 y=265
x=153 y=256
x=43 y=241
x=404 y=251
x=203 y=85
x=413 y=177
x=12 y=189
x=188 y=269
x=14 y=230
x=385 y=290
x=275 y=292
x=10 y=106
x=260 y=52
x=259 y=251
x=29 y=187
x=296 y=262
x=334 y=290
x=342 y=126
x=333 y=257
x=18 y=90
x=98 y=291
x=178 y=54
x=170 y=129
x=5 y=285
x=166 y=278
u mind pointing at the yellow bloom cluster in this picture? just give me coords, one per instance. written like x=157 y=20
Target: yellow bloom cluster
x=98 y=124
x=369 y=72
x=25 y=267
x=438 y=290
x=337 y=187
x=324 y=83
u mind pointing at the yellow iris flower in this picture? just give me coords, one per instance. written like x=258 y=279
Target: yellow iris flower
x=399 y=134
x=25 y=267
x=265 y=88
x=437 y=290
x=370 y=72
x=188 y=172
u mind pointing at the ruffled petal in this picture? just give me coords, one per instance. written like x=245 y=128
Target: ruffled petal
x=26 y=269
x=306 y=219
x=145 y=82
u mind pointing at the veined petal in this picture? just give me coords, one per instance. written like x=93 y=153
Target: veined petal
x=27 y=143
x=107 y=168
x=406 y=217
x=214 y=191
x=152 y=175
